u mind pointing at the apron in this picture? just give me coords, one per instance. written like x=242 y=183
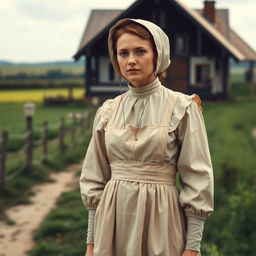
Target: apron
x=139 y=213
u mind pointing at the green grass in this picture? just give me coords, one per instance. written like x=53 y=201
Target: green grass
x=229 y=125
x=12 y=117
x=16 y=161
x=63 y=231
x=36 y=83
x=238 y=74
x=38 y=70
x=241 y=90
x=17 y=190
x=12 y=120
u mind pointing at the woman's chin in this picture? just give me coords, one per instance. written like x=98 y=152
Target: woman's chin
x=140 y=82
x=136 y=83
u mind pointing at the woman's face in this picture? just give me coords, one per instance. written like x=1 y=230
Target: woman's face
x=135 y=58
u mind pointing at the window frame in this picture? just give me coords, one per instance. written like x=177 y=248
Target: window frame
x=197 y=65
x=196 y=61
x=185 y=47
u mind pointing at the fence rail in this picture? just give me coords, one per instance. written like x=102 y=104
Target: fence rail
x=67 y=128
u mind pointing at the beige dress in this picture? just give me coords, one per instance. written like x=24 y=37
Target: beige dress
x=129 y=172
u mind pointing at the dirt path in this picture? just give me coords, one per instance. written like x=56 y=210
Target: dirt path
x=16 y=240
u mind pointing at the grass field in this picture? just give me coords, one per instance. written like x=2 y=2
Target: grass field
x=238 y=74
x=63 y=232
x=13 y=120
x=14 y=96
x=18 y=189
x=38 y=70
x=229 y=125
x=35 y=83
x=37 y=95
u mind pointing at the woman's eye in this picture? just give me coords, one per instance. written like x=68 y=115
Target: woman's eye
x=123 y=53
x=141 y=52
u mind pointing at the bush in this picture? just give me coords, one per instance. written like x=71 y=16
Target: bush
x=47 y=248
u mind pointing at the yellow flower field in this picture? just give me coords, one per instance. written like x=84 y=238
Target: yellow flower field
x=18 y=96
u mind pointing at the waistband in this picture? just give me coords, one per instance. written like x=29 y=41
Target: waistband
x=143 y=172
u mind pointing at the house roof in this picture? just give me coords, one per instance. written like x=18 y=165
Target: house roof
x=100 y=19
x=239 y=43
x=221 y=21
x=97 y=22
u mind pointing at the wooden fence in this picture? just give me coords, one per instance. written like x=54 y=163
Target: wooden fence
x=74 y=122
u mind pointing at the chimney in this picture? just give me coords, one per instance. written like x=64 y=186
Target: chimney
x=209 y=10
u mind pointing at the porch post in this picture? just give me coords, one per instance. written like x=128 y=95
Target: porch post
x=250 y=78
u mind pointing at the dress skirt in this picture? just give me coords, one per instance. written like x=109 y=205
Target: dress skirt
x=139 y=213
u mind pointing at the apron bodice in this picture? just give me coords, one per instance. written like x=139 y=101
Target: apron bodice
x=146 y=144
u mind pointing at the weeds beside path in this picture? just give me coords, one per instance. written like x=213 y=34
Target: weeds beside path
x=17 y=239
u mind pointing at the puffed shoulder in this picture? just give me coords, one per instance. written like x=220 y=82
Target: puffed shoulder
x=103 y=114
x=198 y=101
x=180 y=108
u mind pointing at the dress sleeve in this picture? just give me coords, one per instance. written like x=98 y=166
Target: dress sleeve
x=194 y=161
x=96 y=169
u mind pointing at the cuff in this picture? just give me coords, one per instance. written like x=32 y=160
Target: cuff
x=90 y=230
x=195 y=227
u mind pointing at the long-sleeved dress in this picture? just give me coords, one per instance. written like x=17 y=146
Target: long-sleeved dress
x=140 y=141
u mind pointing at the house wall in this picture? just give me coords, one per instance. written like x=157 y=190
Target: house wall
x=180 y=74
x=104 y=69
x=202 y=48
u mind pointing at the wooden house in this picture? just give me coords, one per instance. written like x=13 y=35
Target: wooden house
x=201 y=41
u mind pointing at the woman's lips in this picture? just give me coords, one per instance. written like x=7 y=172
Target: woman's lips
x=133 y=70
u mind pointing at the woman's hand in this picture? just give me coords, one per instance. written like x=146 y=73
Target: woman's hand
x=89 y=250
x=190 y=253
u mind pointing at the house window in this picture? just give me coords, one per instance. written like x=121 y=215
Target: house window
x=202 y=73
x=181 y=44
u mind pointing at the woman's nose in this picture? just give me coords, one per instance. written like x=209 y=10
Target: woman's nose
x=132 y=59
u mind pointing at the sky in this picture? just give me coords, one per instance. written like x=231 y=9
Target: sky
x=50 y=30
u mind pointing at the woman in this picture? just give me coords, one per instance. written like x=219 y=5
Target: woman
x=140 y=140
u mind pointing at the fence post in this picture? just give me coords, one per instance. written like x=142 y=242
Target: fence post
x=29 y=151
x=251 y=78
x=3 y=155
x=73 y=130
x=29 y=109
x=90 y=120
x=45 y=140
x=83 y=124
x=62 y=135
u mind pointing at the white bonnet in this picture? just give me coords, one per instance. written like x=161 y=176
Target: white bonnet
x=160 y=38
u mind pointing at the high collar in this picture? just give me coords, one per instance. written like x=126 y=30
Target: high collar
x=145 y=90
